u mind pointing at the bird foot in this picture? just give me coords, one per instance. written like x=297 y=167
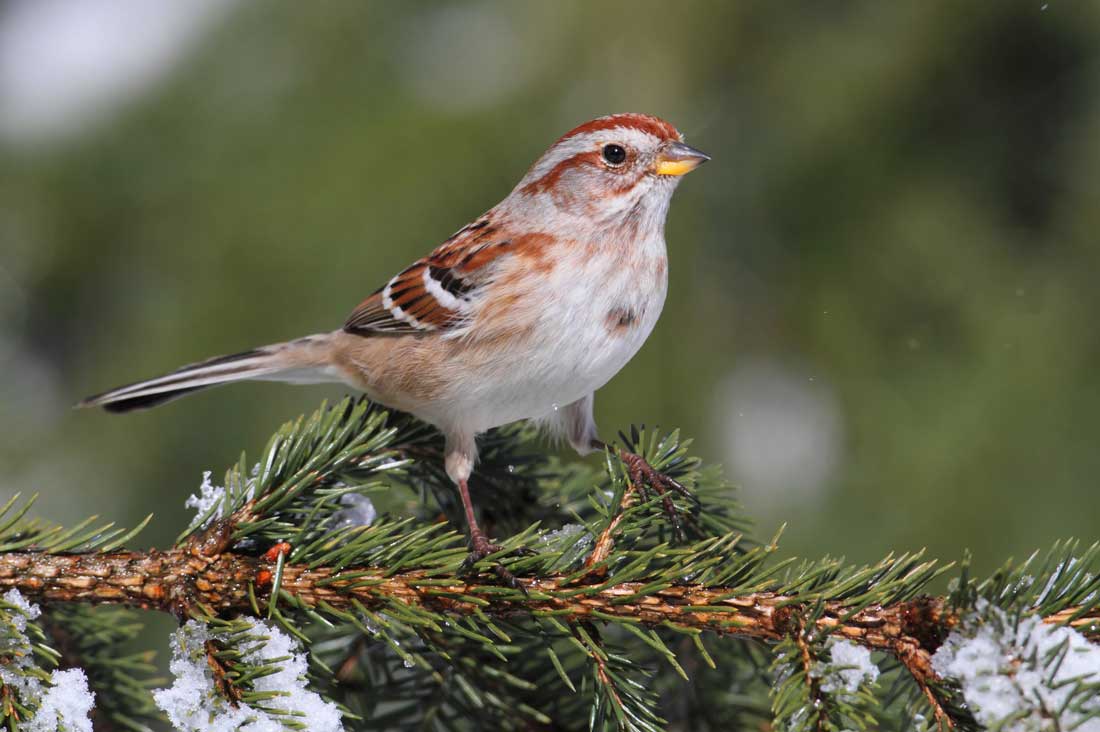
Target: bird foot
x=480 y=547
x=648 y=479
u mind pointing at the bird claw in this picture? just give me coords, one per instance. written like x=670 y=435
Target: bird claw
x=480 y=547
x=646 y=478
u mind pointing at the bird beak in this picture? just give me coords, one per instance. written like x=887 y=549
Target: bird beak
x=676 y=158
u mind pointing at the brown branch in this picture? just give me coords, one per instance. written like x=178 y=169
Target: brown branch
x=605 y=542
x=807 y=668
x=180 y=581
x=223 y=674
x=918 y=662
x=187 y=581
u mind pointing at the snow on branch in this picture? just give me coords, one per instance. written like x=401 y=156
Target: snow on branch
x=335 y=541
x=46 y=702
x=262 y=687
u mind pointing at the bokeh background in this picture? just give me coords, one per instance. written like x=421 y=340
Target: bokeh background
x=884 y=316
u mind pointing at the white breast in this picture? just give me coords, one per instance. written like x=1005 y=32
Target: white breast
x=593 y=311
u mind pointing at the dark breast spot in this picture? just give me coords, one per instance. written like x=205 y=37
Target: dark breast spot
x=620 y=319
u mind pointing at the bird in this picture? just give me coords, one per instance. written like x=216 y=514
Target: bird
x=522 y=314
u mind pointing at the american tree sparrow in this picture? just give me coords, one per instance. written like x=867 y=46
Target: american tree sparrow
x=522 y=314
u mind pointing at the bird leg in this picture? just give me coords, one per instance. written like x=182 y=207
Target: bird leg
x=645 y=478
x=480 y=547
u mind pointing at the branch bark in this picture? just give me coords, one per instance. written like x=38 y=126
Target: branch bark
x=179 y=581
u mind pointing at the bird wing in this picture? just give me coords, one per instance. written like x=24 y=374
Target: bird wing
x=434 y=294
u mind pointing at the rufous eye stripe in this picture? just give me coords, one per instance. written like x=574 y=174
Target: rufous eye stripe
x=548 y=181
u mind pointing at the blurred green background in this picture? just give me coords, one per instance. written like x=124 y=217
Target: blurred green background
x=883 y=314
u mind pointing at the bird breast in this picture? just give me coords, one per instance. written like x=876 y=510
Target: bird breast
x=585 y=314
x=553 y=327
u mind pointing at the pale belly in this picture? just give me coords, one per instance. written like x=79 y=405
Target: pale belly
x=582 y=338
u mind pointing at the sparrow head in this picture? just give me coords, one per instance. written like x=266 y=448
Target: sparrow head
x=613 y=168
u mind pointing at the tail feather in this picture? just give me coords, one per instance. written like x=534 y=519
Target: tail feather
x=129 y=404
x=296 y=361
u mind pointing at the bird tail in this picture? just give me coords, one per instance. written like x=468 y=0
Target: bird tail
x=303 y=361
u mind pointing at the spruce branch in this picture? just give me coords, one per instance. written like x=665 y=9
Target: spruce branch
x=284 y=555
x=187 y=583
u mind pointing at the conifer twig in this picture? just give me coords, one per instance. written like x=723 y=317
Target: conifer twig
x=814 y=683
x=605 y=542
x=184 y=581
x=918 y=662
x=292 y=544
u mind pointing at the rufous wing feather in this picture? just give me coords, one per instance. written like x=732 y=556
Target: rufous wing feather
x=435 y=294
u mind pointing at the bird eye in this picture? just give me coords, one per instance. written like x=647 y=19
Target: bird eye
x=614 y=154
